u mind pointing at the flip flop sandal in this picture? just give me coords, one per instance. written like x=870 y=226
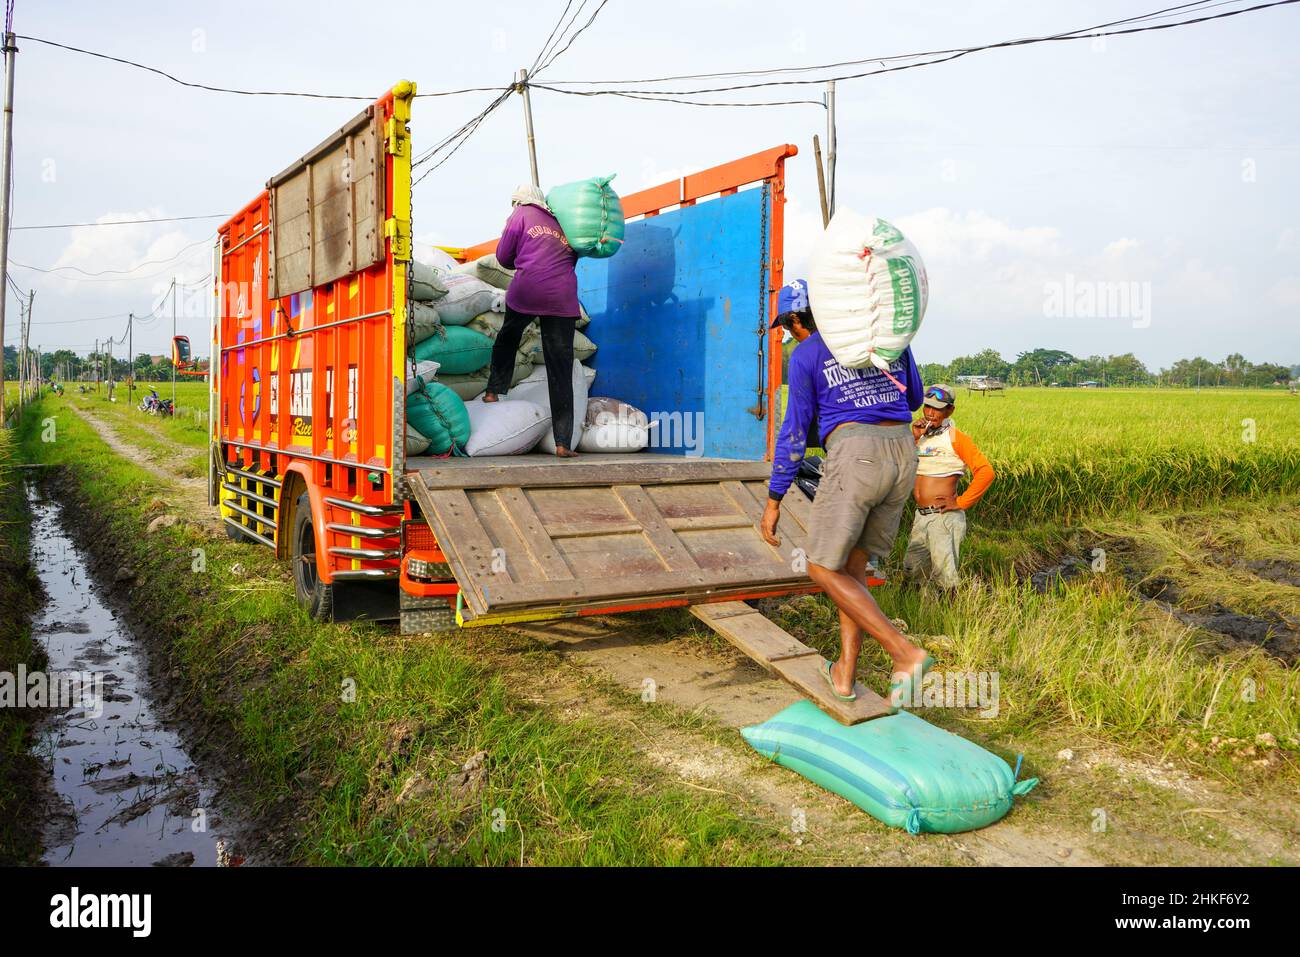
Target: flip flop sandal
x=826 y=673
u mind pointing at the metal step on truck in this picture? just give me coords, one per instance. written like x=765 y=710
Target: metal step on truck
x=310 y=347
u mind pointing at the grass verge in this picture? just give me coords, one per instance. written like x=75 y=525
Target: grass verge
x=20 y=771
x=363 y=747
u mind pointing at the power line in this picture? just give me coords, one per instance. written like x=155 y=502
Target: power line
x=120 y=272
x=458 y=138
x=947 y=56
x=774 y=71
x=660 y=98
x=161 y=272
x=557 y=54
x=547 y=44
x=466 y=132
x=125 y=222
x=224 y=89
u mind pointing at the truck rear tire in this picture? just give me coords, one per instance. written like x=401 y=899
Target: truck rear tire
x=313 y=594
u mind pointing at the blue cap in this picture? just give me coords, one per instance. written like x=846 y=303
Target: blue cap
x=793 y=297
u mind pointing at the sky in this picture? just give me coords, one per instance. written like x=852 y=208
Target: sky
x=1128 y=194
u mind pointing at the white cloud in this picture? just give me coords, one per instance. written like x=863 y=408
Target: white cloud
x=147 y=251
x=1285 y=293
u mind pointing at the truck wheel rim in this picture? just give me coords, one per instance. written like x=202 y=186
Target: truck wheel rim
x=307 y=557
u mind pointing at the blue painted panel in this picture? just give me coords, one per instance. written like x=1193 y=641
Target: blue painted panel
x=675 y=315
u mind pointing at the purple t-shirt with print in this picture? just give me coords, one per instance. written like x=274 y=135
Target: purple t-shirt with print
x=534 y=244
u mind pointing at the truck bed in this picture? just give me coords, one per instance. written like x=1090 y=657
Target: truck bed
x=528 y=534
x=540 y=468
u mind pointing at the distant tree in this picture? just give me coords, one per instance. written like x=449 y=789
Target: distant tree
x=1126 y=370
x=1038 y=365
x=933 y=372
x=989 y=363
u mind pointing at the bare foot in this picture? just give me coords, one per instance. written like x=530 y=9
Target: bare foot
x=565 y=453
x=489 y=397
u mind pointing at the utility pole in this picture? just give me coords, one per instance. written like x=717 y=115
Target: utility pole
x=173 y=345
x=130 y=358
x=522 y=87
x=20 y=367
x=830 y=146
x=6 y=172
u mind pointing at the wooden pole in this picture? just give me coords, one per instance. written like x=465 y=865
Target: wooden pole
x=528 y=126
x=821 y=180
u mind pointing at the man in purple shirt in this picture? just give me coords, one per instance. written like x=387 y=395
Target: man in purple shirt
x=545 y=288
x=864 y=419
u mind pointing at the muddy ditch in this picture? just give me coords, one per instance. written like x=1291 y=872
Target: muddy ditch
x=133 y=778
x=1229 y=630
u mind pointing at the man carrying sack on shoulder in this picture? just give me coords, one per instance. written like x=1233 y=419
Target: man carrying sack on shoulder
x=864 y=418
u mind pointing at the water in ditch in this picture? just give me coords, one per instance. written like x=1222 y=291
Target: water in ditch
x=127 y=791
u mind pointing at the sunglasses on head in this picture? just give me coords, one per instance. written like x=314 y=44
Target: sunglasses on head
x=934 y=392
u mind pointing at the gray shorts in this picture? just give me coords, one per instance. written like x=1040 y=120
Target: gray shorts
x=866 y=481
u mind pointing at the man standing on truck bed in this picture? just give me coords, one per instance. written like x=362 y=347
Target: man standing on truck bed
x=865 y=424
x=545 y=288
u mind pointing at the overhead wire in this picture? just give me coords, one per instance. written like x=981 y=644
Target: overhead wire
x=225 y=89
x=947 y=56
x=124 y=222
x=772 y=71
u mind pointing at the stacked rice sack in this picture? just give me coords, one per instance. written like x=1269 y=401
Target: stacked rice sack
x=456 y=313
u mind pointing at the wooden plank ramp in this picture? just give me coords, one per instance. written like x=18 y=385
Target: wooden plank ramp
x=788 y=658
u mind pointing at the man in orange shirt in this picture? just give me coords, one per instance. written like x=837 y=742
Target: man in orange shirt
x=944 y=453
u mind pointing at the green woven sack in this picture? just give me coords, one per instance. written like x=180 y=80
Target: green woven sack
x=591 y=215
x=438 y=414
x=457 y=350
x=899 y=769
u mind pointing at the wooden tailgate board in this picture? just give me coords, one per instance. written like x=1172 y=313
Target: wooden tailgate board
x=656 y=531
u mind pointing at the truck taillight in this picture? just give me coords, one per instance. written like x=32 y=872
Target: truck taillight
x=418 y=536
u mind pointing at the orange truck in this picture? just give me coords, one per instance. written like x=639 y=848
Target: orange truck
x=310 y=347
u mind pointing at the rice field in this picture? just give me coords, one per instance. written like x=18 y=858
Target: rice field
x=1071 y=454
x=1074 y=454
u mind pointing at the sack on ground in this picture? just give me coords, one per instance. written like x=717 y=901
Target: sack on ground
x=439 y=414
x=417 y=372
x=899 y=769
x=466 y=297
x=457 y=350
x=505 y=427
x=612 y=425
x=535 y=389
x=868 y=289
x=583 y=318
x=426 y=283
x=591 y=215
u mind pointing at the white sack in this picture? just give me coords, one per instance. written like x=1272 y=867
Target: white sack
x=868 y=290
